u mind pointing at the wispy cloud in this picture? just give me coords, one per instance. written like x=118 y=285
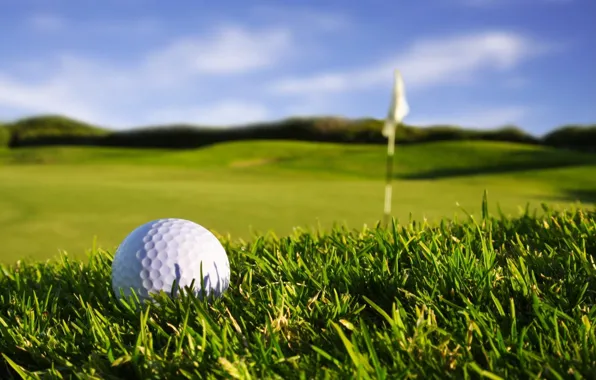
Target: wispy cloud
x=224 y=113
x=452 y=60
x=217 y=73
x=51 y=96
x=230 y=49
x=103 y=92
x=477 y=118
x=95 y=91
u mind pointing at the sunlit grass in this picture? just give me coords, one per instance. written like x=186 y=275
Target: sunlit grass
x=61 y=198
x=490 y=297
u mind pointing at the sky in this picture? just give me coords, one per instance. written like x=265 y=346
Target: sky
x=128 y=63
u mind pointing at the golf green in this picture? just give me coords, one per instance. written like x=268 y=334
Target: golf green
x=63 y=198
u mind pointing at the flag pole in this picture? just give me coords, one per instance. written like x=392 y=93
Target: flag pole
x=399 y=108
x=389 y=173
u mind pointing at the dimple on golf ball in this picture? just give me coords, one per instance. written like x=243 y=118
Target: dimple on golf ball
x=166 y=252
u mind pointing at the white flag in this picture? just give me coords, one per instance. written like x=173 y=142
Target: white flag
x=399 y=106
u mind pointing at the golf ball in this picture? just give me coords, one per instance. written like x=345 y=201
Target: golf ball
x=166 y=252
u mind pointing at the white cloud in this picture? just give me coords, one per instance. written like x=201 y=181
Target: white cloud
x=99 y=92
x=230 y=50
x=426 y=63
x=223 y=113
x=49 y=97
x=478 y=118
x=215 y=67
x=46 y=22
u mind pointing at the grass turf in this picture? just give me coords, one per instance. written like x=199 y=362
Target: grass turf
x=62 y=197
x=497 y=298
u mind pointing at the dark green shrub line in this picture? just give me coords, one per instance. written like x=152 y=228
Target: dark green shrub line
x=572 y=137
x=4 y=136
x=57 y=130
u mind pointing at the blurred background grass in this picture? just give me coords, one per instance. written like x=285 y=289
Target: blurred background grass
x=58 y=197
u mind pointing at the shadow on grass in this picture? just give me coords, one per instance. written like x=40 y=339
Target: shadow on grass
x=511 y=163
x=584 y=196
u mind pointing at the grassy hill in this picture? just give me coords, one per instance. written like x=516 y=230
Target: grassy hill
x=429 y=160
x=62 y=197
x=48 y=129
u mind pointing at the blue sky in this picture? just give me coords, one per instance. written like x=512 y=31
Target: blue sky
x=125 y=63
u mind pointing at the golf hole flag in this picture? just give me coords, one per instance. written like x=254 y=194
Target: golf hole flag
x=397 y=112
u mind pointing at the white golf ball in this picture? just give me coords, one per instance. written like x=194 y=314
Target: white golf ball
x=166 y=252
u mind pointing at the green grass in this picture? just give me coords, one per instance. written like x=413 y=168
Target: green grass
x=494 y=298
x=62 y=198
x=497 y=297
x=438 y=159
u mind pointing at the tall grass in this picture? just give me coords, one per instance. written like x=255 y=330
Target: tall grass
x=490 y=297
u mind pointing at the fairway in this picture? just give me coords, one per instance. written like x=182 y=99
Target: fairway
x=63 y=198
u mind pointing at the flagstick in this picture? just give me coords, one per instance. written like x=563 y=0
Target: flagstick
x=389 y=175
x=399 y=108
